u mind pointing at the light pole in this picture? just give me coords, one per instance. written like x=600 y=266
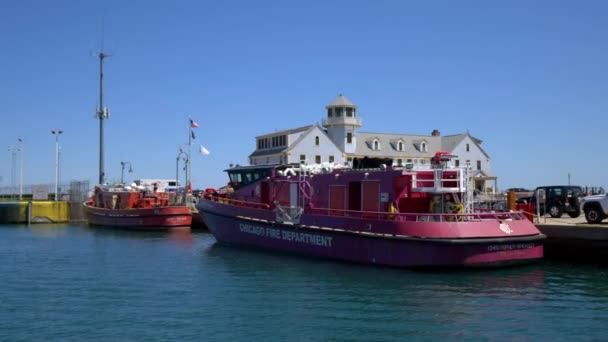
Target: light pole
x=56 y=134
x=13 y=152
x=20 y=149
x=122 y=171
x=181 y=152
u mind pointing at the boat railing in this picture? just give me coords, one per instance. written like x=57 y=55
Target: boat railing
x=442 y=181
x=236 y=202
x=420 y=217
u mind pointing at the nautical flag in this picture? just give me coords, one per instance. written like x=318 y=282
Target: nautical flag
x=192 y=132
x=193 y=124
x=204 y=151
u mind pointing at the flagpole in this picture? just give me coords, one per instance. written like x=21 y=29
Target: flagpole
x=189 y=154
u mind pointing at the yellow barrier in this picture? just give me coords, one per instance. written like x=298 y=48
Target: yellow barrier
x=42 y=211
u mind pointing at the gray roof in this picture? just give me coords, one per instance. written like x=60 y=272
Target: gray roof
x=341 y=101
x=286 y=131
x=449 y=142
x=268 y=151
x=388 y=145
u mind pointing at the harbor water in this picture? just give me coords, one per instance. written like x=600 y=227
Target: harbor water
x=75 y=283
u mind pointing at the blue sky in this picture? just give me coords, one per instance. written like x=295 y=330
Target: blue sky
x=529 y=78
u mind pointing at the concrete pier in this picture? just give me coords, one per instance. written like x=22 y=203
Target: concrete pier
x=574 y=239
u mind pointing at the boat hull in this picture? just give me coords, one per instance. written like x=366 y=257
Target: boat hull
x=254 y=228
x=160 y=218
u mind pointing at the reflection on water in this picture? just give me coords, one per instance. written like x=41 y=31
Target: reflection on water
x=107 y=284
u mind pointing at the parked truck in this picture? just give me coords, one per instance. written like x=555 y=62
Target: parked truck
x=595 y=208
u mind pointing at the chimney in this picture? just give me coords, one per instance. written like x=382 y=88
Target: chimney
x=436 y=133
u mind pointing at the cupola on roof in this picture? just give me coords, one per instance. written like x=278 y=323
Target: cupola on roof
x=341 y=101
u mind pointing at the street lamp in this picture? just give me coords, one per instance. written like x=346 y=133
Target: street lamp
x=122 y=171
x=13 y=151
x=20 y=149
x=56 y=134
x=186 y=161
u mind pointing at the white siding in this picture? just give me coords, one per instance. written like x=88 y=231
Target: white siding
x=474 y=154
x=307 y=147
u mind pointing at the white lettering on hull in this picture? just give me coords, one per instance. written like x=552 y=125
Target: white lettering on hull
x=494 y=248
x=297 y=237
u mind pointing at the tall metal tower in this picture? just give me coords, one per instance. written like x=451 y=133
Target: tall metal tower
x=102 y=113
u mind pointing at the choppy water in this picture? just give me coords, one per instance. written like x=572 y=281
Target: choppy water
x=75 y=283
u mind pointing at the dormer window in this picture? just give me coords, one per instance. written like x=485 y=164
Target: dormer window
x=423 y=147
x=400 y=146
x=317 y=140
x=376 y=145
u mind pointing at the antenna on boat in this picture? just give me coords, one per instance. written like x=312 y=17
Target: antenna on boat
x=101 y=112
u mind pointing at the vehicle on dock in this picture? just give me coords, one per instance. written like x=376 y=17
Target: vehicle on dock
x=556 y=200
x=595 y=208
x=393 y=216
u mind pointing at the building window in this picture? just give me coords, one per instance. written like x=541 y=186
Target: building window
x=302 y=159
x=400 y=146
x=468 y=148
x=399 y=162
x=479 y=165
x=349 y=112
x=376 y=145
x=267 y=160
x=349 y=159
x=423 y=147
x=317 y=140
x=457 y=162
x=331 y=159
x=318 y=159
x=422 y=161
x=349 y=138
x=329 y=112
x=339 y=111
x=468 y=163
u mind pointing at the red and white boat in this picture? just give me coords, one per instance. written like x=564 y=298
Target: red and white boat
x=394 y=216
x=136 y=208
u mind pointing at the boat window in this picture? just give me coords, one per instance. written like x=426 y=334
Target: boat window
x=235 y=178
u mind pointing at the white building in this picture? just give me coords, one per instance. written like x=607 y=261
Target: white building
x=338 y=140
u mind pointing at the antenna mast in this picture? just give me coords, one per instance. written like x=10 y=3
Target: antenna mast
x=102 y=113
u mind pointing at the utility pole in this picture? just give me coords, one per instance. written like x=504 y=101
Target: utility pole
x=20 y=168
x=102 y=113
x=56 y=134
